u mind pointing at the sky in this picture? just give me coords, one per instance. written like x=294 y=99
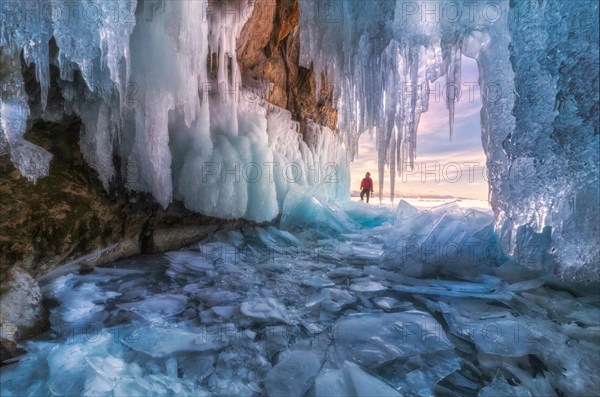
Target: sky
x=443 y=167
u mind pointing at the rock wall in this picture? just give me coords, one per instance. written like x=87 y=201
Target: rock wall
x=21 y=312
x=269 y=51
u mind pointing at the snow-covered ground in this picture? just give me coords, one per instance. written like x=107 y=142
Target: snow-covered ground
x=340 y=299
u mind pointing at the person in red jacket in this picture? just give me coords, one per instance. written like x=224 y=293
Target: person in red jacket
x=366 y=187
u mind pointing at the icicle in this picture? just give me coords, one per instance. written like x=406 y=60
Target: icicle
x=393 y=163
x=453 y=81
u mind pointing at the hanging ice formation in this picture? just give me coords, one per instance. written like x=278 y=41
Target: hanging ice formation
x=539 y=116
x=383 y=55
x=146 y=67
x=157 y=84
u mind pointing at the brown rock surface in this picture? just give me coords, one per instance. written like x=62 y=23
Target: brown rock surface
x=68 y=215
x=22 y=314
x=64 y=215
x=269 y=51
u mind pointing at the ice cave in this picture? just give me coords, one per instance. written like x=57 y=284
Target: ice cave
x=177 y=214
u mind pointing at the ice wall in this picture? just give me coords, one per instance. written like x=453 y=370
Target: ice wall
x=538 y=72
x=548 y=199
x=157 y=86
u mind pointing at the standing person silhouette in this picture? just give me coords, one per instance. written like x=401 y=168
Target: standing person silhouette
x=366 y=187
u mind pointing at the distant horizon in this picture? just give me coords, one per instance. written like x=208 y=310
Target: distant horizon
x=442 y=167
x=386 y=195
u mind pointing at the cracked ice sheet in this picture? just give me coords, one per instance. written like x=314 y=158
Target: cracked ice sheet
x=202 y=321
x=373 y=339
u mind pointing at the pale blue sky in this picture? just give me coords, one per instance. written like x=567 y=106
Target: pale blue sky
x=457 y=164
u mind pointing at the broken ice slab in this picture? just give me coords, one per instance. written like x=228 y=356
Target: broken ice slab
x=216 y=297
x=445 y=239
x=320 y=281
x=109 y=367
x=332 y=383
x=164 y=342
x=157 y=307
x=344 y=272
x=389 y=303
x=32 y=161
x=562 y=307
x=456 y=289
x=301 y=210
x=373 y=339
x=218 y=314
x=264 y=309
x=276 y=239
x=366 y=384
x=351 y=380
x=367 y=286
x=434 y=368
x=495 y=330
x=269 y=240
x=277 y=266
x=189 y=262
x=364 y=253
x=284 y=235
x=237 y=372
x=369 y=216
x=339 y=297
x=66 y=362
x=456 y=379
x=500 y=387
x=455 y=286
x=293 y=375
x=225 y=312
x=449 y=208
x=315 y=299
x=405 y=211
x=82 y=302
x=488 y=284
x=330 y=299
x=527 y=285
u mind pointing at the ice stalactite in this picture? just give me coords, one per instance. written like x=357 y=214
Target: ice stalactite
x=157 y=84
x=453 y=82
x=31 y=160
x=382 y=56
x=90 y=37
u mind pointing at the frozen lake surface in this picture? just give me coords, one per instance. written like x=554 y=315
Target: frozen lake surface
x=348 y=299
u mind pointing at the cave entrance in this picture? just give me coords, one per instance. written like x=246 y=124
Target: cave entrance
x=444 y=169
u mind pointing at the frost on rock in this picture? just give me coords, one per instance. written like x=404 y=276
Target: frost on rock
x=547 y=194
x=32 y=161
